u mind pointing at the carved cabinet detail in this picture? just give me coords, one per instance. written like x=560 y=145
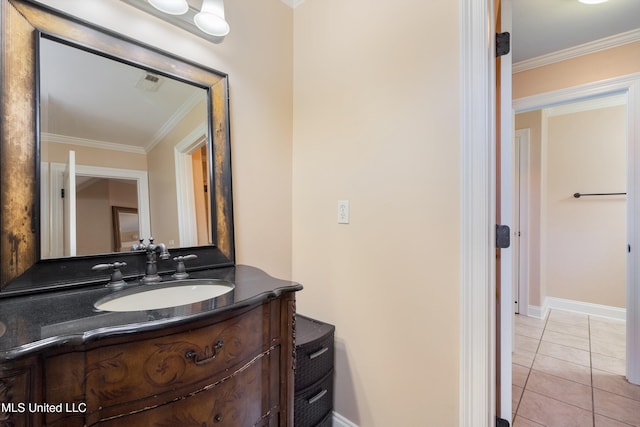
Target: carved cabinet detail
x=16 y=392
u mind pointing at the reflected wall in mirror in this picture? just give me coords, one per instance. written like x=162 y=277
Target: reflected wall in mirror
x=121 y=121
x=176 y=154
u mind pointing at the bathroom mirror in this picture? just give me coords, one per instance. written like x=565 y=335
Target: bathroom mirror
x=140 y=140
x=33 y=130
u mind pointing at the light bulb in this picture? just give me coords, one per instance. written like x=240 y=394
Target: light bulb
x=172 y=7
x=211 y=18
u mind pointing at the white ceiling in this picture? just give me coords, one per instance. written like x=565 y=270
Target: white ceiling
x=541 y=27
x=95 y=100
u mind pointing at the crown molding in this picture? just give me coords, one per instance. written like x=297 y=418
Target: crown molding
x=590 y=104
x=293 y=3
x=175 y=118
x=580 y=50
x=93 y=143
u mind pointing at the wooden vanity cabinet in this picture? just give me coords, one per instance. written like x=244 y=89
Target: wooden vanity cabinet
x=19 y=385
x=231 y=369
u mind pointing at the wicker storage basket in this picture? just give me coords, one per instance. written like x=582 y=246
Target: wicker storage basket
x=314 y=351
x=312 y=405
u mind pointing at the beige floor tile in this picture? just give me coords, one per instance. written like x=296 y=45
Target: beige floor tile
x=608 y=422
x=563 y=369
x=602 y=330
x=613 y=324
x=529 y=331
x=569 y=329
x=552 y=413
x=568 y=317
x=560 y=389
x=616 y=407
x=519 y=375
x=516 y=394
x=608 y=363
x=523 y=358
x=518 y=421
x=526 y=343
x=609 y=347
x=605 y=334
x=530 y=321
x=569 y=354
x=580 y=343
x=617 y=384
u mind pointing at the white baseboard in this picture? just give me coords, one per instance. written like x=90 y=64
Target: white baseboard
x=340 y=421
x=586 y=308
x=537 y=311
x=552 y=303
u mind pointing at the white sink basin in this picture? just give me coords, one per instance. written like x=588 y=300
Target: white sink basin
x=164 y=295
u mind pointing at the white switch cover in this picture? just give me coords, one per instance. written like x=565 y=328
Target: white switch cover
x=343 y=212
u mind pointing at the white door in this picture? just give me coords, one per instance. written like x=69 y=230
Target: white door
x=506 y=218
x=69 y=202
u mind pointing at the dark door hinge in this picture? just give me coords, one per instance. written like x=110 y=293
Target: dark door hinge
x=503 y=236
x=503 y=43
x=62 y=193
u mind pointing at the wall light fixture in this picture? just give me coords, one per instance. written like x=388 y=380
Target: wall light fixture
x=204 y=18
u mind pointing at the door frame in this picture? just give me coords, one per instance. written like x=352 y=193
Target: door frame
x=187 y=222
x=629 y=86
x=477 y=379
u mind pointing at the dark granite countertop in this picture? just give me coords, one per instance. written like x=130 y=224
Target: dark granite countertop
x=31 y=323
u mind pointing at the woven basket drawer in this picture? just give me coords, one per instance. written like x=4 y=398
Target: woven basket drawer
x=314 y=351
x=312 y=405
x=327 y=421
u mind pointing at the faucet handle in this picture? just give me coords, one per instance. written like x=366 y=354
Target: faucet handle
x=181 y=271
x=117 y=280
x=138 y=246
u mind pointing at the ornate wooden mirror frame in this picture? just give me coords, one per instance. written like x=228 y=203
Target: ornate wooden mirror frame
x=23 y=23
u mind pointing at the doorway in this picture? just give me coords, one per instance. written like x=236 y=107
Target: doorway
x=628 y=87
x=52 y=222
x=577 y=244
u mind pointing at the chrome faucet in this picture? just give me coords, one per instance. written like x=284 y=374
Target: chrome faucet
x=151 y=268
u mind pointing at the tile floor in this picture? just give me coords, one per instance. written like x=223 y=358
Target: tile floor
x=568 y=370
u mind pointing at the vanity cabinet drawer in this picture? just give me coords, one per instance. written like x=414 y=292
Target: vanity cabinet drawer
x=236 y=401
x=160 y=368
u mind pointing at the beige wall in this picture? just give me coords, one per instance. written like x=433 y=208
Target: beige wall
x=94 y=221
x=93 y=224
x=257 y=55
x=586 y=238
x=376 y=121
x=598 y=66
x=162 y=177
